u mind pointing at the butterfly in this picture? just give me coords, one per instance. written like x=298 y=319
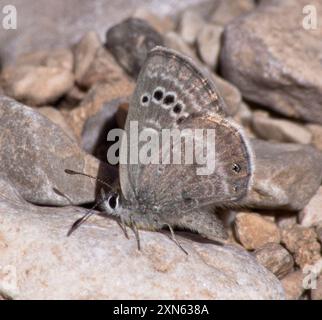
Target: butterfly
x=174 y=92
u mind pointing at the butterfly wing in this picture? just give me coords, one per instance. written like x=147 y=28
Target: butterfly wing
x=173 y=93
x=166 y=70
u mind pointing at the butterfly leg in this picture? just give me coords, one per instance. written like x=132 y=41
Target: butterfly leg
x=136 y=232
x=174 y=239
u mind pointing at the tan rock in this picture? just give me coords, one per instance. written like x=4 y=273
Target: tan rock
x=84 y=53
x=103 y=68
x=316 y=294
x=302 y=242
x=269 y=128
x=209 y=42
x=228 y=10
x=293 y=285
x=191 y=22
x=94 y=101
x=56 y=58
x=311 y=215
x=174 y=41
x=162 y=24
x=253 y=231
x=316 y=131
x=36 y=85
x=275 y=258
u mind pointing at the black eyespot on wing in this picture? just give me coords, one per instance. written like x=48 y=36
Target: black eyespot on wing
x=177 y=108
x=158 y=95
x=169 y=99
x=112 y=201
x=180 y=120
x=236 y=167
x=144 y=99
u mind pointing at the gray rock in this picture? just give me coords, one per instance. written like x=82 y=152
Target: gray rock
x=191 y=23
x=281 y=130
x=316 y=131
x=97 y=126
x=98 y=262
x=130 y=41
x=36 y=85
x=228 y=10
x=34 y=153
x=267 y=63
x=84 y=52
x=275 y=258
x=286 y=176
x=209 y=42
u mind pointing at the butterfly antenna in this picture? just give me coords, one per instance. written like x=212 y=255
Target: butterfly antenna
x=72 y=172
x=81 y=220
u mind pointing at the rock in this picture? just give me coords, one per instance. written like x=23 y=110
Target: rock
x=50 y=265
x=253 y=231
x=316 y=131
x=311 y=215
x=34 y=153
x=84 y=52
x=130 y=41
x=302 y=242
x=286 y=176
x=95 y=99
x=319 y=232
x=122 y=114
x=62 y=25
x=209 y=42
x=36 y=85
x=269 y=128
x=162 y=24
x=286 y=219
x=57 y=58
x=244 y=114
x=230 y=94
x=56 y=117
x=72 y=98
x=103 y=68
x=229 y=10
x=191 y=22
x=266 y=63
x=293 y=285
x=174 y=41
x=97 y=126
x=275 y=258
x=316 y=294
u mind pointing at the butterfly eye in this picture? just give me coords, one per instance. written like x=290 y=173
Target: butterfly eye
x=236 y=167
x=177 y=108
x=113 y=201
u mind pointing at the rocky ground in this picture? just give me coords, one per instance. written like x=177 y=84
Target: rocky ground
x=56 y=107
